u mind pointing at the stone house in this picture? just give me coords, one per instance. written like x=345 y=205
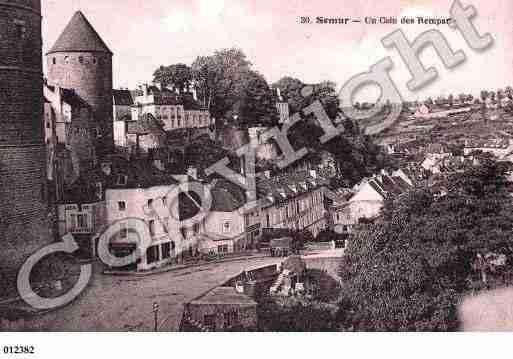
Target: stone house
x=175 y=111
x=293 y=200
x=366 y=199
x=221 y=309
x=115 y=190
x=122 y=102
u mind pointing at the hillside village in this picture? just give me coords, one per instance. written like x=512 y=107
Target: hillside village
x=178 y=155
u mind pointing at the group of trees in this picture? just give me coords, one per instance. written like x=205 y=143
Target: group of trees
x=410 y=272
x=226 y=84
x=494 y=96
x=497 y=95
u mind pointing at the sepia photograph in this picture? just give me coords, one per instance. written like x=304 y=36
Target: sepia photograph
x=252 y=167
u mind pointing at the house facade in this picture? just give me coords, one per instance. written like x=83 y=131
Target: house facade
x=294 y=201
x=365 y=201
x=175 y=111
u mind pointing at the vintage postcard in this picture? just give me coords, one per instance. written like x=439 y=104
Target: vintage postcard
x=255 y=166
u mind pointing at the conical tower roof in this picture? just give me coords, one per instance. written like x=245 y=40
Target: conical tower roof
x=79 y=36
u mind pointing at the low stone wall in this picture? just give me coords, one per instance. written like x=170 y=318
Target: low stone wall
x=330 y=265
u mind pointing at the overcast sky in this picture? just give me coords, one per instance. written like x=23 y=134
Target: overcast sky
x=144 y=34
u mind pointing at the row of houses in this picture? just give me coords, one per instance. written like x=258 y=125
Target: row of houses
x=118 y=188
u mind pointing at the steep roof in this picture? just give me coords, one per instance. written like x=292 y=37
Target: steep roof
x=79 y=36
x=146 y=124
x=124 y=174
x=122 y=97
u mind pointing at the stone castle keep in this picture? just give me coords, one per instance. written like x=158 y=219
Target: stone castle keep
x=23 y=194
x=81 y=61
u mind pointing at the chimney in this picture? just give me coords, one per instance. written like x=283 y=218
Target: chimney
x=145 y=90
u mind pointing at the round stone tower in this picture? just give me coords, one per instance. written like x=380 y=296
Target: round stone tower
x=81 y=61
x=23 y=203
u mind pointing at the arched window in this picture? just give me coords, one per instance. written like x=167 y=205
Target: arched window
x=66 y=59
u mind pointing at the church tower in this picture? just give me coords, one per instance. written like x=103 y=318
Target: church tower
x=80 y=60
x=23 y=196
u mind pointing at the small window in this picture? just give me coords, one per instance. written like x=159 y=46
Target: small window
x=164 y=201
x=166 y=250
x=66 y=59
x=122 y=180
x=152 y=254
x=122 y=205
x=151 y=225
x=226 y=227
x=94 y=60
x=54 y=61
x=150 y=202
x=81 y=59
x=165 y=223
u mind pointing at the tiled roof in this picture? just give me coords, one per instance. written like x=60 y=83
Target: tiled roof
x=122 y=97
x=233 y=138
x=226 y=196
x=285 y=187
x=146 y=124
x=123 y=174
x=79 y=36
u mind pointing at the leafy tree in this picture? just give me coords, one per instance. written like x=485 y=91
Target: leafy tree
x=509 y=92
x=294 y=91
x=290 y=89
x=295 y=316
x=256 y=101
x=484 y=95
x=410 y=272
x=219 y=79
x=178 y=76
